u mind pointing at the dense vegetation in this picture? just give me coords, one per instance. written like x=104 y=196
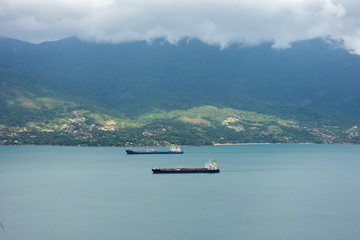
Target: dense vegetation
x=76 y=93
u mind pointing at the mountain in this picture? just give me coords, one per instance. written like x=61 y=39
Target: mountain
x=139 y=86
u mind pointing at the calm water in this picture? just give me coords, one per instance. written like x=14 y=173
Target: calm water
x=263 y=192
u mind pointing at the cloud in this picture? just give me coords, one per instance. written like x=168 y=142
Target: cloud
x=220 y=22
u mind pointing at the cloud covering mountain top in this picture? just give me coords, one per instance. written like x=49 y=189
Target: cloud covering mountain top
x=219 y=22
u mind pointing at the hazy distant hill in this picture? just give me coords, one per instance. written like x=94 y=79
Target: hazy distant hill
x=313 y=82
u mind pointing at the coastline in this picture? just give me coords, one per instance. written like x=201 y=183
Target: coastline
x=229 y=144
x=157 y=146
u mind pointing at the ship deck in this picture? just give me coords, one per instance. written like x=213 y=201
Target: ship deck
x=185 y=170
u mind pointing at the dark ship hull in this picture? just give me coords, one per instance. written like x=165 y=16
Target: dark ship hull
x=128 y=151
x=185 y=170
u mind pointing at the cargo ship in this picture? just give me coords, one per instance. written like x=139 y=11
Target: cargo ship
x=209 y=168
x=173 y=150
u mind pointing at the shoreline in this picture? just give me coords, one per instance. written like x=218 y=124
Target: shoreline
x=229 y=144
x=234 y=144
x=157 y=146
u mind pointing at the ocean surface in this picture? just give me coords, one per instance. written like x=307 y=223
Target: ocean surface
x=262 y=192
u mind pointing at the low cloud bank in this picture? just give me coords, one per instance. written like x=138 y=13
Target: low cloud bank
x=216 y=22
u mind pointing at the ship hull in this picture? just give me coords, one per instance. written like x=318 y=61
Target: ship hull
x=184 y=170
x=153 y=152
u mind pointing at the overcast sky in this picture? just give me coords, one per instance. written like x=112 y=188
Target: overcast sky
x=220 y=22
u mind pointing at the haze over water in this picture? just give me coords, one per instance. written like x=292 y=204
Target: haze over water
x=262 y=192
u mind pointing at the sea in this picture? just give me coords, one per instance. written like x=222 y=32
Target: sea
x=291 y=191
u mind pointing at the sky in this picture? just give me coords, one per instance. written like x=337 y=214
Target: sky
x=216 y=22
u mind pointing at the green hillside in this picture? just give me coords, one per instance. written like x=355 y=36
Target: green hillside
x=313 y=80
x=34 y=114
x=76 y=93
